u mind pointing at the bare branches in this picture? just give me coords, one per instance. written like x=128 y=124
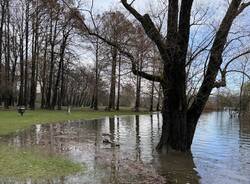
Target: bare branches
x=84 y=27
x=239 y=71
x=215 y=59
x=235 y=58
x=148 y=25
x=132 y=59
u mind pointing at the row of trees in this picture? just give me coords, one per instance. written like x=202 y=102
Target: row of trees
x=46 y=61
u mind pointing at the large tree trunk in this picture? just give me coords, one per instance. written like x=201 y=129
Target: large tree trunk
x=174 y=109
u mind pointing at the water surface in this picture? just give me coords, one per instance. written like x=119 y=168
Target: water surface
x=220 y=151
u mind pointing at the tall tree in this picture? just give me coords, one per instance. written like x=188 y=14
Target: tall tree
x=3 y=12
x=35 y=55
x=179 y=118
x=27 y=19
x=53 y=35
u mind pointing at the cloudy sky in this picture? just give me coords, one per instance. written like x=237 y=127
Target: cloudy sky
x=144 y=4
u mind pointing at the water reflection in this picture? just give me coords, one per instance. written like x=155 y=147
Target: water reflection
x=220 y=152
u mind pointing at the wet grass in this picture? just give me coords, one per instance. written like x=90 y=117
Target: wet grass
x=11 y=121
x=21 y=164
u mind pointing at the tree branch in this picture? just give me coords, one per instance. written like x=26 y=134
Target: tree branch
x=184 y=26
x=243 y=7
x=148 y=25
x=215 y=62
x=236 y=57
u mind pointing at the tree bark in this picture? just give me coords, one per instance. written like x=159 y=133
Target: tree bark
x=119 y=85
x=21 y=88
x=1 y=42
x=8 y=89
x=56 y=87
x=113 y=80
x=138 y=88
x=26 y=52
x=44 y=84
x=33 y=83
x=52 y=56
x=96 y=90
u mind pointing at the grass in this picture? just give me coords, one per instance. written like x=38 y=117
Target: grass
x=11 y=121
x=21 y=164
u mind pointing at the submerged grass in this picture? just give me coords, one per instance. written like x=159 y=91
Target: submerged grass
x=20 y=164
x=11 y=121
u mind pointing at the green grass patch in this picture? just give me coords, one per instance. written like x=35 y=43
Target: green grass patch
x=11 y=121
x=20 y=164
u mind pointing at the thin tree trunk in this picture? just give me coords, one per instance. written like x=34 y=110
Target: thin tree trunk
x=138 y=89
x=13 y=71
x=43 y=88
x=26 y=53
x=113 y=80
x=1 y=43
x=151 y=109
x=34 y=63
x=119 y=85
x=61 y=98
x=158 y=99
x=7 y=60
x=21 y=88
x=56 y=87
x=96 y=90
x=52 y=56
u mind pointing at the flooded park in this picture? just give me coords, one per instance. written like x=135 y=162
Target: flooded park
x=122 y=150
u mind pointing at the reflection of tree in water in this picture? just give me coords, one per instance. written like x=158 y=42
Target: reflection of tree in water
x=59 y=137
x=177 y=167
x=138 y=139
x=114 y=159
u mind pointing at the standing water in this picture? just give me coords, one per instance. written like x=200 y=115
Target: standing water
x=122 y=150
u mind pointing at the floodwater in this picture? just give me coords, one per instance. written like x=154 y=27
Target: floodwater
x=220 y=151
